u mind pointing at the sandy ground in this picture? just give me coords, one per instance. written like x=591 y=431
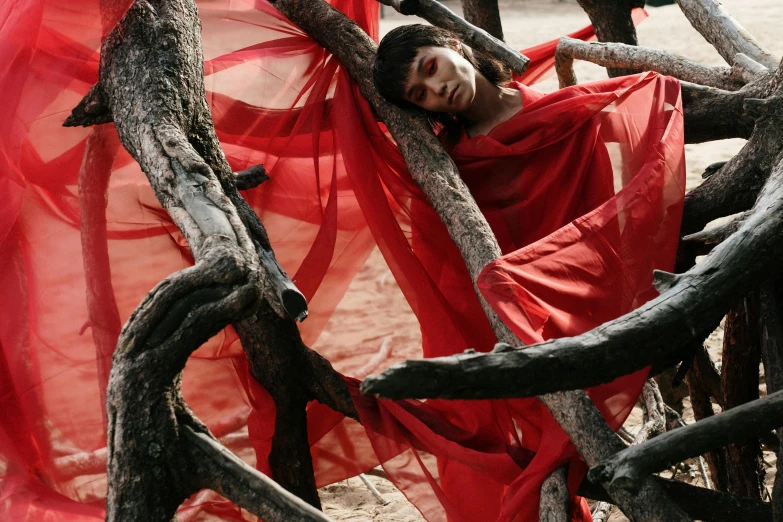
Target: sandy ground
x=374 y=316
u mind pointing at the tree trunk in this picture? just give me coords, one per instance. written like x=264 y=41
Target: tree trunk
x=484 y=14
x=613 y=23
x=744 y=472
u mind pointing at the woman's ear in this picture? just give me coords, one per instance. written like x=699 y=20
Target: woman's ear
x=456 y=45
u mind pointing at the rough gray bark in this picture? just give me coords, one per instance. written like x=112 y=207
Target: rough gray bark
x=484 y=14
x=617 y=55
x=554 y=497
x=628 y=468
x=613 y=23
x=728 y=37
x=437 y=176
x=476 y=36
x=100 y=151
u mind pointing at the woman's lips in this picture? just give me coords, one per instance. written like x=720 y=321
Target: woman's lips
x=453 y=94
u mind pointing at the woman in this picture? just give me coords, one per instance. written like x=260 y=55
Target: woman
x=583 y=189
x=338 y=188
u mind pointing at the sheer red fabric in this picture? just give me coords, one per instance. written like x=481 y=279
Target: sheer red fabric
x=583 y=189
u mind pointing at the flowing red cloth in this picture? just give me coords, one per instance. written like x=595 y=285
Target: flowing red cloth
x=595 y=181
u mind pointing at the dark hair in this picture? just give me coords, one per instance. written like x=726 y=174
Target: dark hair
x=395 y=56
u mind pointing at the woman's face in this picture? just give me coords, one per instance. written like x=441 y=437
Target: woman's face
x=441 y=80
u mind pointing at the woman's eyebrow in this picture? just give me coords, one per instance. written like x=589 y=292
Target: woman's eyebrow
x=418 y=72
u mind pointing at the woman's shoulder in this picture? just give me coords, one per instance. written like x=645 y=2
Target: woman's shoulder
x=529 y=95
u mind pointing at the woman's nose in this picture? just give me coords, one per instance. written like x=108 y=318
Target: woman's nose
x=435 y=86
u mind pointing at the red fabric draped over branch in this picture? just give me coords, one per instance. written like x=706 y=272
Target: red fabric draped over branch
x=583 y=189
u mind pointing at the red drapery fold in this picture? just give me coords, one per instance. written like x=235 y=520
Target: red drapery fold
x=583 y=189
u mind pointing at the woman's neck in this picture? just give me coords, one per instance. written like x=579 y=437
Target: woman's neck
x=491 y=106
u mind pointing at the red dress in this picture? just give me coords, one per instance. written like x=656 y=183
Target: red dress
x=583 y=189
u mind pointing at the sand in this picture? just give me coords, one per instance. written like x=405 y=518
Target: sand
x=374 y=316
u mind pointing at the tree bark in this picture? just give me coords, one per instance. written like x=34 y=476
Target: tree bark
x=744 y=471
x=613 y=23
x=484 y=14
x=628 y=468
x=771 y=326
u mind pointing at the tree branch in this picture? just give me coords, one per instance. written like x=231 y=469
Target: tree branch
x=476 y=38
x=699 y=503
x=728 y=37
x=618 y=55
x=627 y=469
x=220 y=470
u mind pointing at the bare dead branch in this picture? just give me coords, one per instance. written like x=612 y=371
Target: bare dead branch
x=743 y=464
x=476 y=38
x=728 y=37
x=222 y=471
x=99 y=154
x=699 y=503
x=250 y=177
x=702 y=243
x=654 y=419
x=613 y=22
x=628 y=468
x=554 y=497
x=746 y=68
x=618 y=55
x=484 y=14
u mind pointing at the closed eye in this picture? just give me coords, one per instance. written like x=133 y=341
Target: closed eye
x=432 y=67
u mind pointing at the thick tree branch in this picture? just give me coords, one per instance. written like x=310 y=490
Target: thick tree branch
x=771 y=326
x=93 y=185
x=613 y=22
x=627 y=469
x=728 y=37
x=222 y=471
x=476 y=38
x=619 y=55
x=699 y=503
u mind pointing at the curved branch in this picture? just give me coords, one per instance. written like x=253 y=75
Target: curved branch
x=220 y=470
x=476 y=38
x=628 y=468
x=728 y=37
x=618 y=55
